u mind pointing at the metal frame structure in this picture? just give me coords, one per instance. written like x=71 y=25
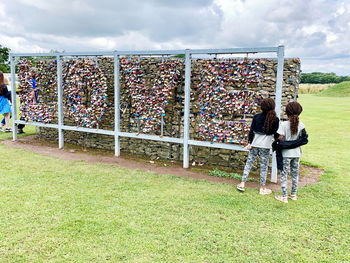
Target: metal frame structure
x=186 y=140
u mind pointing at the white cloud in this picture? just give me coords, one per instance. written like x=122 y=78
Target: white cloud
x=314 y=30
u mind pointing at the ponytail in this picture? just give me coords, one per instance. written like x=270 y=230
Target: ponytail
x=269 y=121
x=294 y=123
x=293 y=110
x=268 y=107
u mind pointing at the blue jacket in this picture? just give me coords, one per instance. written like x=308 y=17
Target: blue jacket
x=6 y=93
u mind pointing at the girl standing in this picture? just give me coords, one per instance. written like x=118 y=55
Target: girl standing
x=261 y=135
x=291 y=130
x=5 y=107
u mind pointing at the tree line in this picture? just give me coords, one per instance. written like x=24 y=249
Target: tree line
x=322 y=78
x=314 y=77
x=4 y=59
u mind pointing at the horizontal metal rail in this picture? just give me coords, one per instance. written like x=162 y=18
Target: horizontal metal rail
x=218 y=145
x=234 y=50
x=150 y=137
x=39 y=124
x=89 y=130
x=97 y=53
x=34 y=54
x=151 y=52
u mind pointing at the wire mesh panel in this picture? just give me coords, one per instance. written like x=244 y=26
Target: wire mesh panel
x=151 y=94
x=37 y=89
x=85 y=92
x=226 y=95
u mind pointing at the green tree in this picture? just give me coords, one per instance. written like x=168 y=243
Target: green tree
x=322 y=78
x=4 y=59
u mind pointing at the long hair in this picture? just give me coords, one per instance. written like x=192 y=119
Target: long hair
x=293 y=110
x=268 y=107
x=2 y=82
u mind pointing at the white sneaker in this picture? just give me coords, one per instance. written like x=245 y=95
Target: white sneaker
x=293 y=197
x=240 y=187
x=265 y=191
x=282 y=198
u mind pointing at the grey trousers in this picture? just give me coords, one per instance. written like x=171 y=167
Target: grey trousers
x=264 y=163
x=293 y=163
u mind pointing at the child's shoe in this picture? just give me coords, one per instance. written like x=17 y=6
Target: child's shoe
x=293 y=197
x=265 y=191
x=241 y=187
x=282 y=198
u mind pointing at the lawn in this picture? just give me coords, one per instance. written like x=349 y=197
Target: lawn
x=53 y=210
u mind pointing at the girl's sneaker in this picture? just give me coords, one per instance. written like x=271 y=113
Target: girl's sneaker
x=293 y=197
x=265 y=191
x=241 y=187
x=282 y=198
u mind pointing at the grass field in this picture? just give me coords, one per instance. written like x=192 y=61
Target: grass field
x=340 y=90
x=313 y=88
x=67 y=211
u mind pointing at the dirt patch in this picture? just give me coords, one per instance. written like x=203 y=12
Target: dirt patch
x=308 y=175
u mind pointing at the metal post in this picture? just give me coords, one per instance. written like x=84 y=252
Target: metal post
x=60 y=103
x=162 y=126
x=13 y=98
x=138 y=125
x=116 y=106
x=278 y=102
x=187 y=109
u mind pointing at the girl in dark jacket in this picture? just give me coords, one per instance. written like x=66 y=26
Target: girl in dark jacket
x=261 y=135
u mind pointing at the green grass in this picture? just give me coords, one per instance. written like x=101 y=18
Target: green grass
x=219 y=173
x=29 y=130
x=53 y=210
x=340 y=90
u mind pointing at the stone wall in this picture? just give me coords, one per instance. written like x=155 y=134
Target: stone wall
x=170 y=74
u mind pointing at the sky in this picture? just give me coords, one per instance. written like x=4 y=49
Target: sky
x=316 y=31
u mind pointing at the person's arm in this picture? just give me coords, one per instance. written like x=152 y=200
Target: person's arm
x=275 y=129
x=280 y=132
x=302 y=140
x=7 y=93
x=251 y=134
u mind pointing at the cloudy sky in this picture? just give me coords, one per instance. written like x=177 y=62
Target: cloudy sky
x=316 y=31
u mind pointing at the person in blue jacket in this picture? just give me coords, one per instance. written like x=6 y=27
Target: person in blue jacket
x=5 y=107
x=8 y=96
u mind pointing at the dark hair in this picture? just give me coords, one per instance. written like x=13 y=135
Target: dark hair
x=293 y=110
x=268 y=107
x=2 y=82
